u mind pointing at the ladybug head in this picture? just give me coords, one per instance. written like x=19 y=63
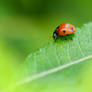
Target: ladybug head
x=55 y=35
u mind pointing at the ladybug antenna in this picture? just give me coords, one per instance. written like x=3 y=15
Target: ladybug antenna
x=55 y=35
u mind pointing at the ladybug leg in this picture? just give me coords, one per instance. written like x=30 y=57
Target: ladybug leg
x=64 y=38
x=68 y=35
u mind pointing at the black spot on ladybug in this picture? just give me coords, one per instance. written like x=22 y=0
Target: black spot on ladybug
x=72 y=29
x=64 y=31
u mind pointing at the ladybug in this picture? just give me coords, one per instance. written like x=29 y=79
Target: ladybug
x=63 y=30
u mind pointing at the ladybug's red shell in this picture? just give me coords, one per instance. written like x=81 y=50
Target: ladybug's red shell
x=65 y=29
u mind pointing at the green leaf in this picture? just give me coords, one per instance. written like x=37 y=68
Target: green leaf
x=61 y=66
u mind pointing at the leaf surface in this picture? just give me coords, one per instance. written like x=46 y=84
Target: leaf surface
x=72 y=58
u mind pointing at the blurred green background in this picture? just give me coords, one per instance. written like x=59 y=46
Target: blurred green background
x=27 y=25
